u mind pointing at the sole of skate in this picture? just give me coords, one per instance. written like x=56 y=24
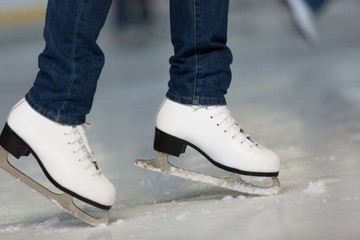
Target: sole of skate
x=261 y=186
x=62 y=200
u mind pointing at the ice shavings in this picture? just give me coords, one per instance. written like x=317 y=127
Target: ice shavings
x=53 y=221
x=119 y=222
x=183 y=216
x=227 y=198
x=241 y=197
x=331 y=158
x=47 y=225
x=10 y=229
x=316 y=190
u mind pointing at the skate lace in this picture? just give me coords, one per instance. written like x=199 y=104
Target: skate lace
x=223 y=116
x=83 y=146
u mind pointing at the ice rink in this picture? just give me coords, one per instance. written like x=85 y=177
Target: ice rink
x=301 y=101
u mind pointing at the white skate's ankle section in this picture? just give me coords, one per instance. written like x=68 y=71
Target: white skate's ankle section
x=214 y=133
x=65 y=155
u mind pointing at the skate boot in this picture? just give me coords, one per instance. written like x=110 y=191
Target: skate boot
x=64 y=155
x=213 y=132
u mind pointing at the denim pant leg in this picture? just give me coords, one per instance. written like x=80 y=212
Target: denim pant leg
x=200 y=67
x=72 y=61
x=316 y=5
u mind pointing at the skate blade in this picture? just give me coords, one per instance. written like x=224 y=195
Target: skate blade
x=63 y=200
x=261 y=186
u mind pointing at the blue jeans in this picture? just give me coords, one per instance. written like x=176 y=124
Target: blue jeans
x=72 y=61
x=316 y=5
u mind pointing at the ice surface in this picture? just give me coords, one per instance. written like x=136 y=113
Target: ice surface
x=315 y=188
x=302 y=102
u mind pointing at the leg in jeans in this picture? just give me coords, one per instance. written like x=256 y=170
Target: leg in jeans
x=194 y=113
x=72 y=61
x=200 y=68
x=49 y=124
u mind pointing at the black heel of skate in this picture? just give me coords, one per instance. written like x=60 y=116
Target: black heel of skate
x=166 y=143
x=12 y=143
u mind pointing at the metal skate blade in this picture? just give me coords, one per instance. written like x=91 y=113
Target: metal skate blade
x=263 y=182
x=63 y=200
x=234 y=182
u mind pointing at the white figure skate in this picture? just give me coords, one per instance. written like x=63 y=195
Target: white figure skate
x=65 y=157
x=215 y=134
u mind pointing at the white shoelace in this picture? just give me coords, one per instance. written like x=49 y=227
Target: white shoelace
x=223 y=115
x=83 y=145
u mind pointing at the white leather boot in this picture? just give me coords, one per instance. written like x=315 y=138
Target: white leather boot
x=63 y=152
x=215 y=134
